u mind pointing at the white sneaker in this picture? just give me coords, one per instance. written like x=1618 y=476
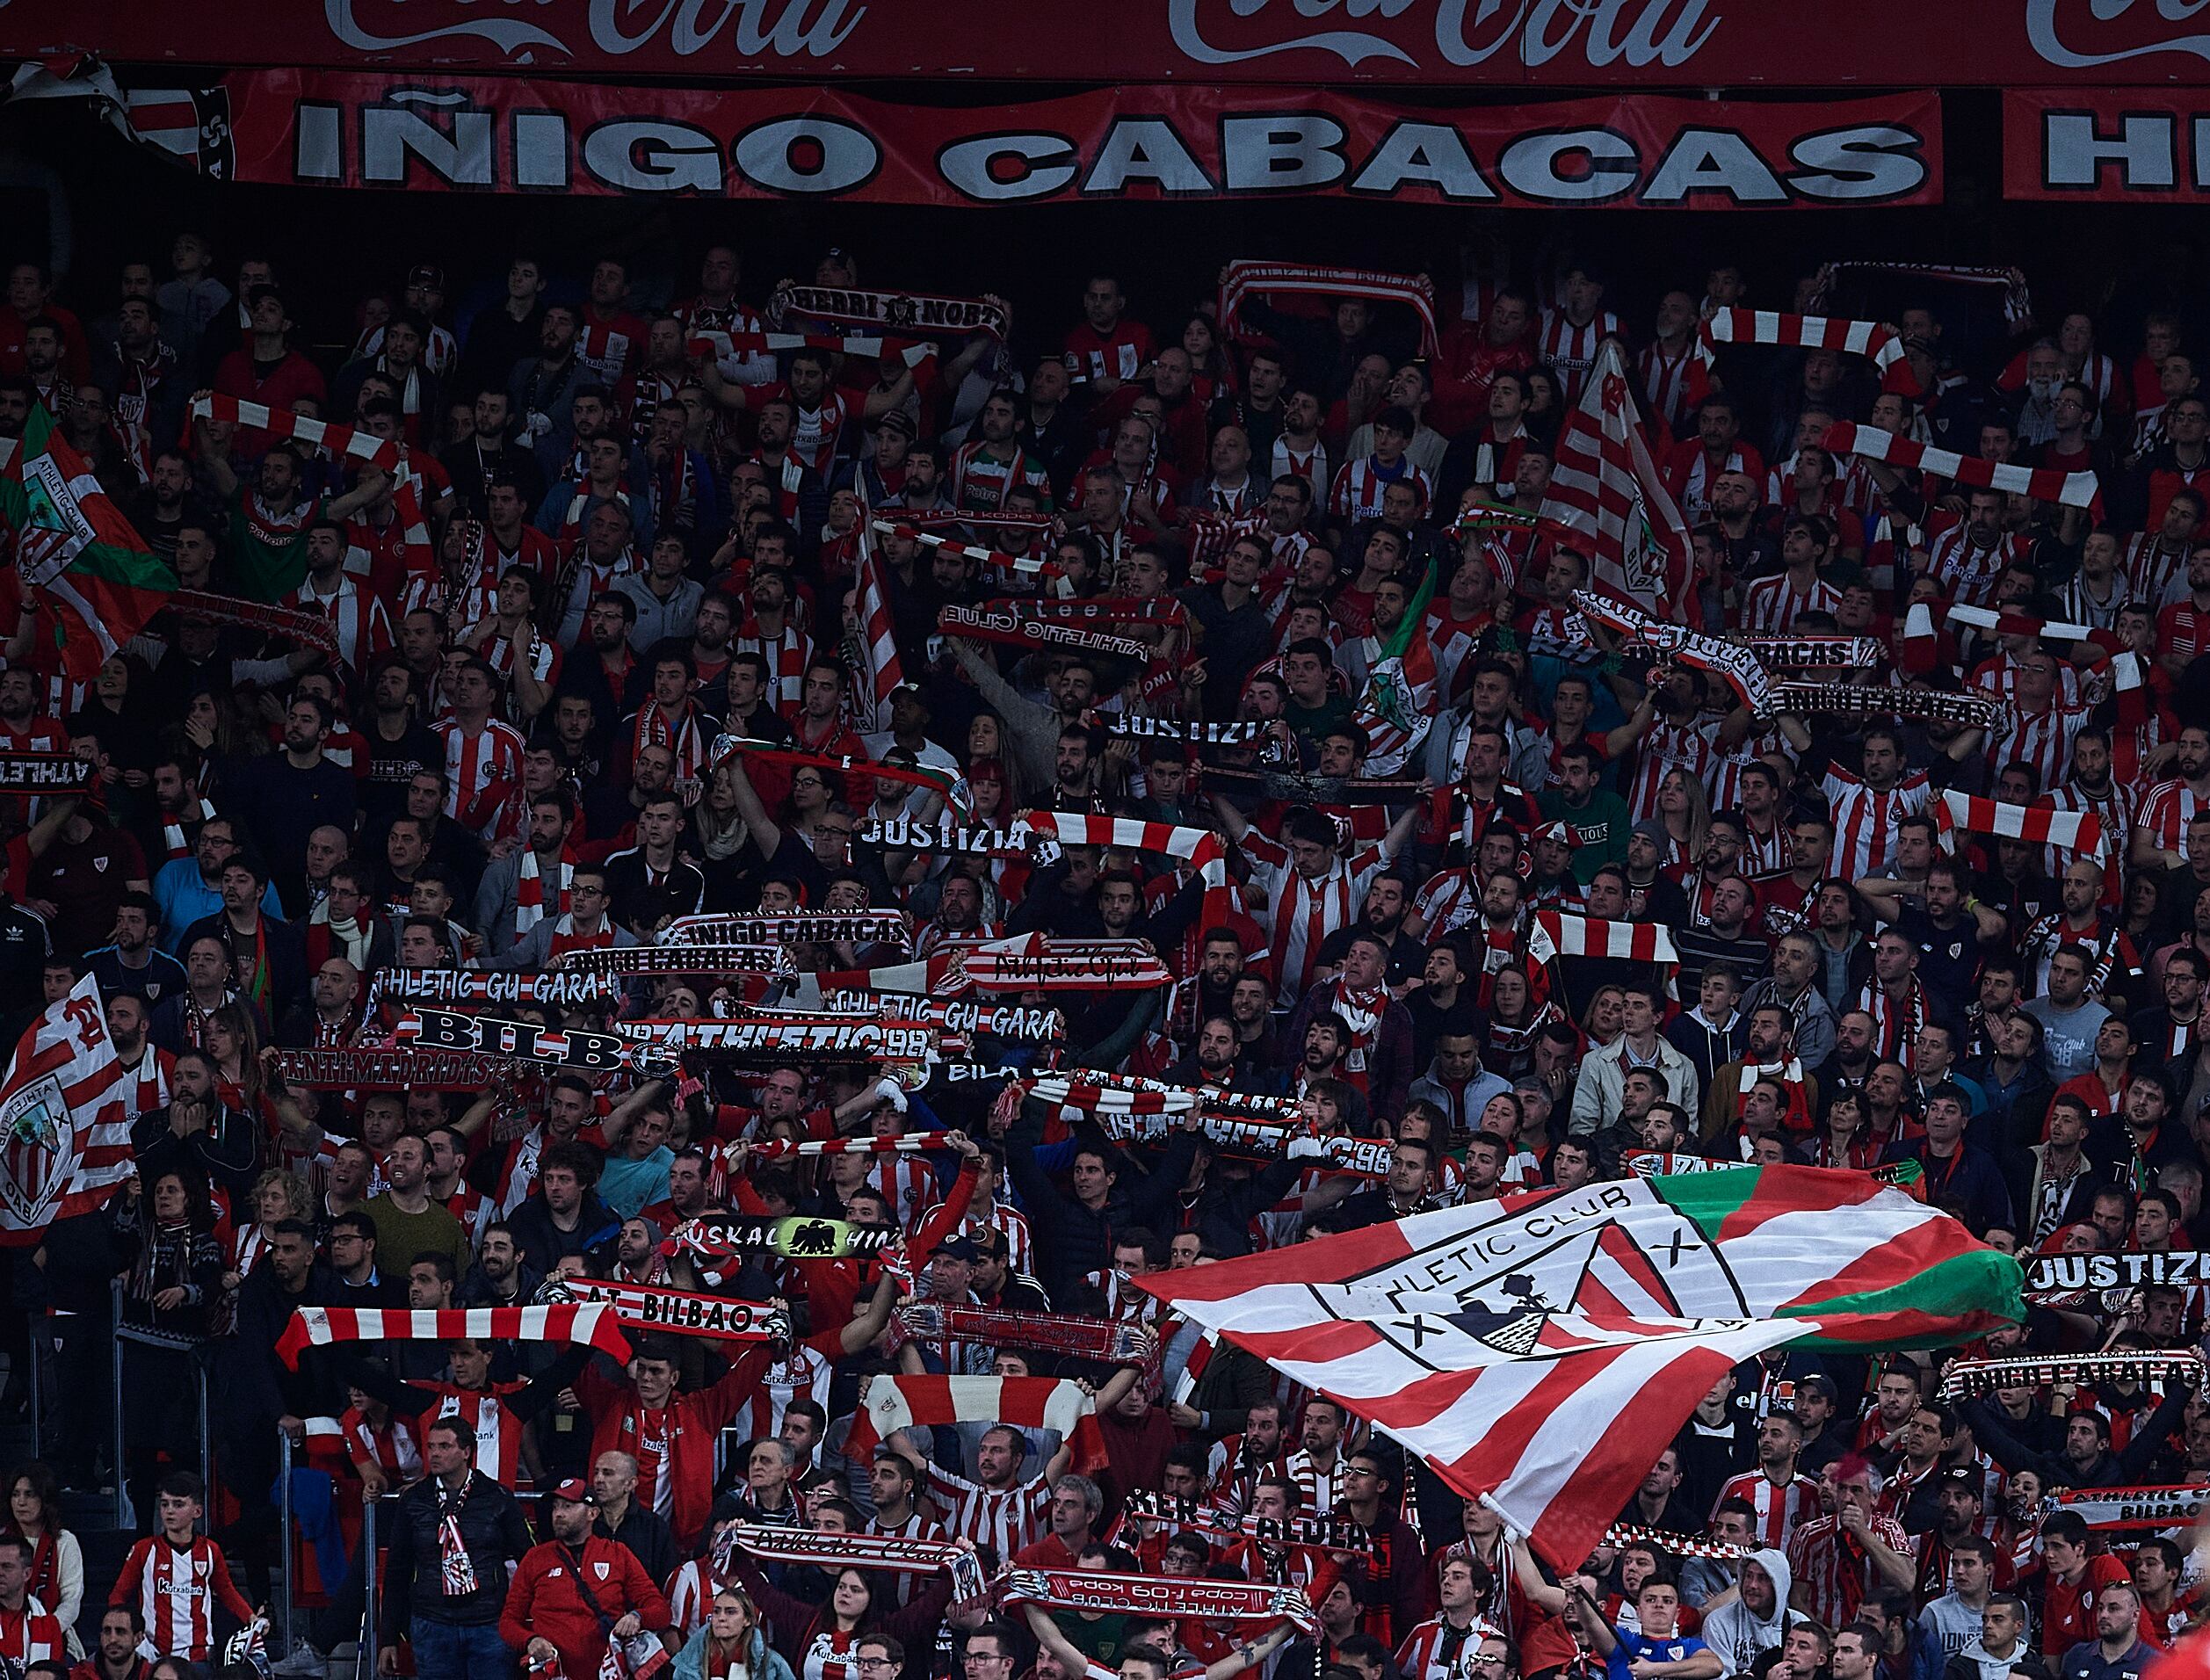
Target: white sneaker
x=304 y=1660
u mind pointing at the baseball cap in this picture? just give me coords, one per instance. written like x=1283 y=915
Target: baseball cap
x=427 y=274
x=576 y=1491
x=960 y=1248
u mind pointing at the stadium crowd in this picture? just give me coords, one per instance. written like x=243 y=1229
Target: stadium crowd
x=642 y=540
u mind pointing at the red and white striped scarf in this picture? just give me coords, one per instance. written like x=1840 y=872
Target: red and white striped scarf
x=1882 y=346
x=2042 y=483
x=174 y=844
x=315 y=434
x=1556 y=934
x=899 y=1403
x=529 y=888
x=1245 y=277
x=2037 y=824
x=320 y=1327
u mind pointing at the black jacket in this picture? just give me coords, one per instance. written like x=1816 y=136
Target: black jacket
x=1073 y=1241
x=491 y=1529
x=1991 y=1429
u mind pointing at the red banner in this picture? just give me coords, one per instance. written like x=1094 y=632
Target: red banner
x=2136 y=146
x=503 y=134
x=1561 y=44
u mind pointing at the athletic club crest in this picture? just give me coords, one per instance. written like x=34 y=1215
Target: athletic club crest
x=38 y=1152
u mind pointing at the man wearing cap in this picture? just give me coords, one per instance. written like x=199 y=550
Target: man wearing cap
x=576 y=1590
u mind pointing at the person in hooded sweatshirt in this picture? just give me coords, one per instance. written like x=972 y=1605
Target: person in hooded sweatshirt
x=1756 y=1617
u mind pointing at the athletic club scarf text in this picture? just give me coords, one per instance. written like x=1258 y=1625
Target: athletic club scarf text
x=1247 y=277
x=469 y=986
x=2042 y=483
x=897 y=1553
x=1174 y=1597
x=1966 y=1377
x=320 y=1327
x=363 y=1069
x=434 y=1029
x=1022 y=629
x=682 y=1312
x=45 y=772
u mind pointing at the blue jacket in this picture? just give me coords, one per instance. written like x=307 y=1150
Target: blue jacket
x=762 y=1661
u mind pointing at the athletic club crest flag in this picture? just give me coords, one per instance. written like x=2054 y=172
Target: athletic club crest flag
x=1509 y=1342
x=64 y=1127
x=1605 y=487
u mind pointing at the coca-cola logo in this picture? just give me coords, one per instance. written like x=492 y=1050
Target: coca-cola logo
x=2082 y=36
x=1600 y=34
x=733 y=30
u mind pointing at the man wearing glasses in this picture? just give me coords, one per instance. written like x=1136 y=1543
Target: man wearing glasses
x=585 y=925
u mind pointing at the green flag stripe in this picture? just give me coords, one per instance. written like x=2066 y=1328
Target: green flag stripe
x=1708 y=1199
x=131 y=568
x=1980 y=1282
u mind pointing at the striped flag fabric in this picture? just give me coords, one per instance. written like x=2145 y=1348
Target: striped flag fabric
x=1880 y=344
x=318 y=1327
x=2042 y=825
x=78 y=551
x=2042 y=483
x=1398 y=707
x=1557 y=934
x=1604 y=487
x=1057 y=1403
x=1997 y=622
x=64 y=1120
x=1506 y=1341
x=875 y=650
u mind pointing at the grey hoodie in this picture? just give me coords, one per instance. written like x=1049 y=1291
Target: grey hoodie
x=1734 y=1634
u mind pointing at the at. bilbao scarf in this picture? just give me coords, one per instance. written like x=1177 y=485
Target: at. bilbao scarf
x=1062 y=1333
x=1199 y=1596
x=685 y=738
x=906 y=312
x=794 y=927
x=1882 y=346
x=365 y=1070
x=2018 y=304
x=320 y=1327
x=1247 y=277
x=725 y=1236
x=572 y=1047
x=767 y=752
x=529 y=887
x=2118 y=1509
x=57 y=772
x=891 y=1403
x=2042 y=483
x=893 y=1553
x=991 y=560
x=464 y=986
x=2038 y=825
x=1332 y=1534
x=1850 y=700
x=309 y=629
x=1018 y=625
x=1968 y=1377
x=1735 y=664
x=682 y=1312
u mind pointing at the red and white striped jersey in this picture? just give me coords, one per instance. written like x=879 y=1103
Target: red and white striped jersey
x=2151 y=570
x=1969 y=573
x=31 y=1634
x=2182 y=629
x=1570 y=350
x=1772 y=605
x=1667 y=382
x=788 y=654
x=905 y=1185
x=1779 y=1509
x=1357 y=495
x=1303 y=912
x=815 y=438
x=498 y=1432
x=1435 y=1650
x=1310 y=465
x=176 y=1589
x=691 y=1591
x=981 y=481
x=1009 y=1518
x=481 y=770
x=2117 y=809
x=1722 y=781
x=1009 y=1222
x=2042 y=739
x=473 y=1208
x=803 y=1375
x=2166 y=811
x=363 y=626
x=1835 y=1577
x=1689 y=746
x=1864 y=819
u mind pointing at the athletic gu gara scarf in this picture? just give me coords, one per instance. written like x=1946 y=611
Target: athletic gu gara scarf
x=529 y=887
